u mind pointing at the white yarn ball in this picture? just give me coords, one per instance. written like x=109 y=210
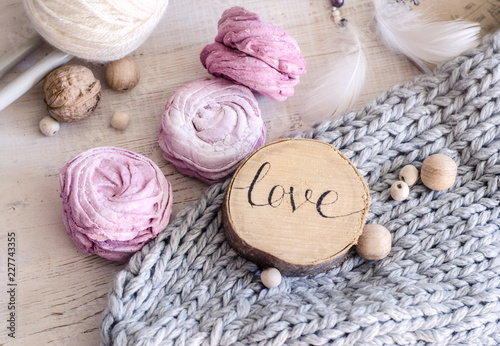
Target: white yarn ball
x=97 y=30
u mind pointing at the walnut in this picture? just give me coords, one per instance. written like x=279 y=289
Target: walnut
x=123 y=74
x=71 y=93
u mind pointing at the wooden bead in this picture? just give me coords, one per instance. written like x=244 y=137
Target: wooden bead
x=399 y=191
x=49 y=126
x=409 y=174
x=438 y=172
x=270 y=277
x=374 y=243
x=120 y=120
x=123 y=74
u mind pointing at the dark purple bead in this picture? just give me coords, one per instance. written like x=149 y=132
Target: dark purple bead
x=337 y=3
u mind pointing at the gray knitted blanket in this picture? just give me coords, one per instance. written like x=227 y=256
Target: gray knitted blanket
x=439 y=285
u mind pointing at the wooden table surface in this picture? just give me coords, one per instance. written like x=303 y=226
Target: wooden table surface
x=59 y=292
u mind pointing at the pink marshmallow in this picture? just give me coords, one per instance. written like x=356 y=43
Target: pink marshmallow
x=244 y=31
x=254 y=53
x=114 y=201
x=246 y=70
x=209 y=126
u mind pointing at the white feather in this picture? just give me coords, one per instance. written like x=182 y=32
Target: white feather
x=421 y=39
x=337 y=89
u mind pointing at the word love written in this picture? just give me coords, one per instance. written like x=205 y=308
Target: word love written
x=279 y=194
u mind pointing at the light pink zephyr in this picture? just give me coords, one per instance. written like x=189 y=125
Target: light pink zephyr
x=253 y=73
x=209 y=126
x=114 y=201
x=245 y=31
x=254 y=53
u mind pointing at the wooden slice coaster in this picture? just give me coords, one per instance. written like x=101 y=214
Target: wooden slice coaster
x=297 y=205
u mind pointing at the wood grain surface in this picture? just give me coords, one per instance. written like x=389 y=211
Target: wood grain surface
x=297 y=205
x=60 y=292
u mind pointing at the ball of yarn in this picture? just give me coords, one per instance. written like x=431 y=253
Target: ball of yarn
x=96 y=30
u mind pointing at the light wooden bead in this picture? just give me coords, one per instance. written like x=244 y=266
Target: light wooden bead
x=399 y=191
x=49 y=126
x=438 y=172
x=409 y=174
x=123 y=74
x=374 y=243
x=120 y=120
x=270 y=277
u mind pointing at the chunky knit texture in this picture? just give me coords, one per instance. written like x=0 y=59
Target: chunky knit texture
x=440 y=284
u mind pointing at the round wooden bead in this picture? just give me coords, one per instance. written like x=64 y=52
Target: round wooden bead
x=270 y=277
x=120 y=120
x=438 y=172
x=49 y=126
x=123 y=74
x=400 y=191
x=374 y=243
x=409 y=174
